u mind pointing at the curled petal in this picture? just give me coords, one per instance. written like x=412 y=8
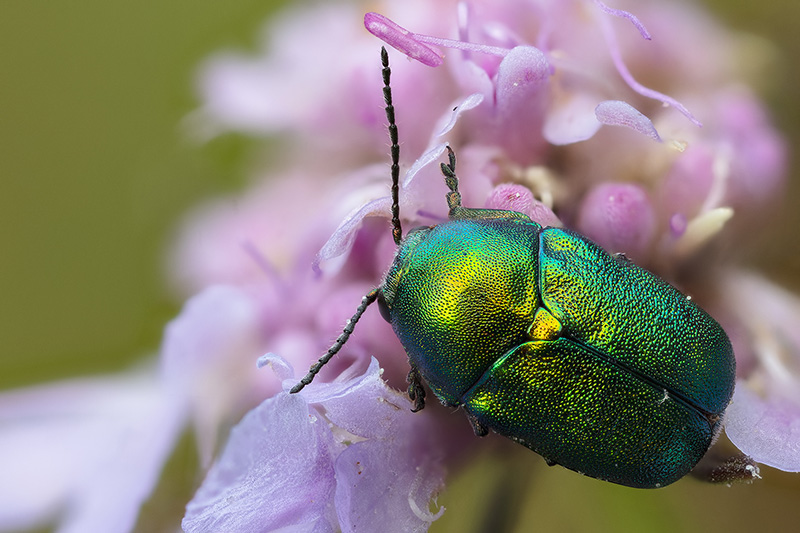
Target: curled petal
x=342 y=239
x=470 y=102
x=282 y=368
x=431 y=156
x=370 y=419
x=616 y=56
x=618 y=113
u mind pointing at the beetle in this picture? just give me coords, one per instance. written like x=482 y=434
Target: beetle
x=542 y=336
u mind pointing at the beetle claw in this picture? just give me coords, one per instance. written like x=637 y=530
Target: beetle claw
x=416 y=391
x=716 y=467
x=479 y=429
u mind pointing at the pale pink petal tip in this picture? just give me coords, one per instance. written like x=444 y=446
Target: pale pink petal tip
x=282 y=368
x=618 y=113
x=470 y=102
x=768 y=430
x=400 y=39
x=431 y=156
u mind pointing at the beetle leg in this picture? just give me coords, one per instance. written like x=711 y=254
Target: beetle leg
x=461 y=213
x=479 y=429
x=416 y=391
x=451 y=180
x=457 y=211
x=718 y=468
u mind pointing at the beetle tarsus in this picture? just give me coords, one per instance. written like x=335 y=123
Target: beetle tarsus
x=416 y=391
x=479 y=429
x=451 y=180
x=718 y=468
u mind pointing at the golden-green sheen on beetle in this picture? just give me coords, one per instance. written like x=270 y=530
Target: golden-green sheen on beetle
x=543 y=337
x=583 y=357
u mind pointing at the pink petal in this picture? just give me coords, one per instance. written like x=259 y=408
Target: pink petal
x=618 y=217
x=618 y=113
x=766 y=429
x=513 y=197
x=84 y=453
x=283 y=466
x=276 y=471
x=218 y=333
x=521 y=75
x=571 y=120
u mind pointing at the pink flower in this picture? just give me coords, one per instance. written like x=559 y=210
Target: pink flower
x=288 y=464
x=545 y=106
x=542 y=104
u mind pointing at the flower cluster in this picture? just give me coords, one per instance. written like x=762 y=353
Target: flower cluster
x=635 y=130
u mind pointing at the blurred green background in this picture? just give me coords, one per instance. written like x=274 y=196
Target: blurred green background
x=96 y=173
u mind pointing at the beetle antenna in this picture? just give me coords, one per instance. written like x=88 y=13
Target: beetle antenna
x=368 y=298
x=397 y=231
x=449 y=171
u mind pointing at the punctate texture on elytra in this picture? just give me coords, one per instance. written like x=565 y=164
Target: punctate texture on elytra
x=542 y=336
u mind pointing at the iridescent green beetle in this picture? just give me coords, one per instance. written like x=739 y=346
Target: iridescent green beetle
x=542 y=336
